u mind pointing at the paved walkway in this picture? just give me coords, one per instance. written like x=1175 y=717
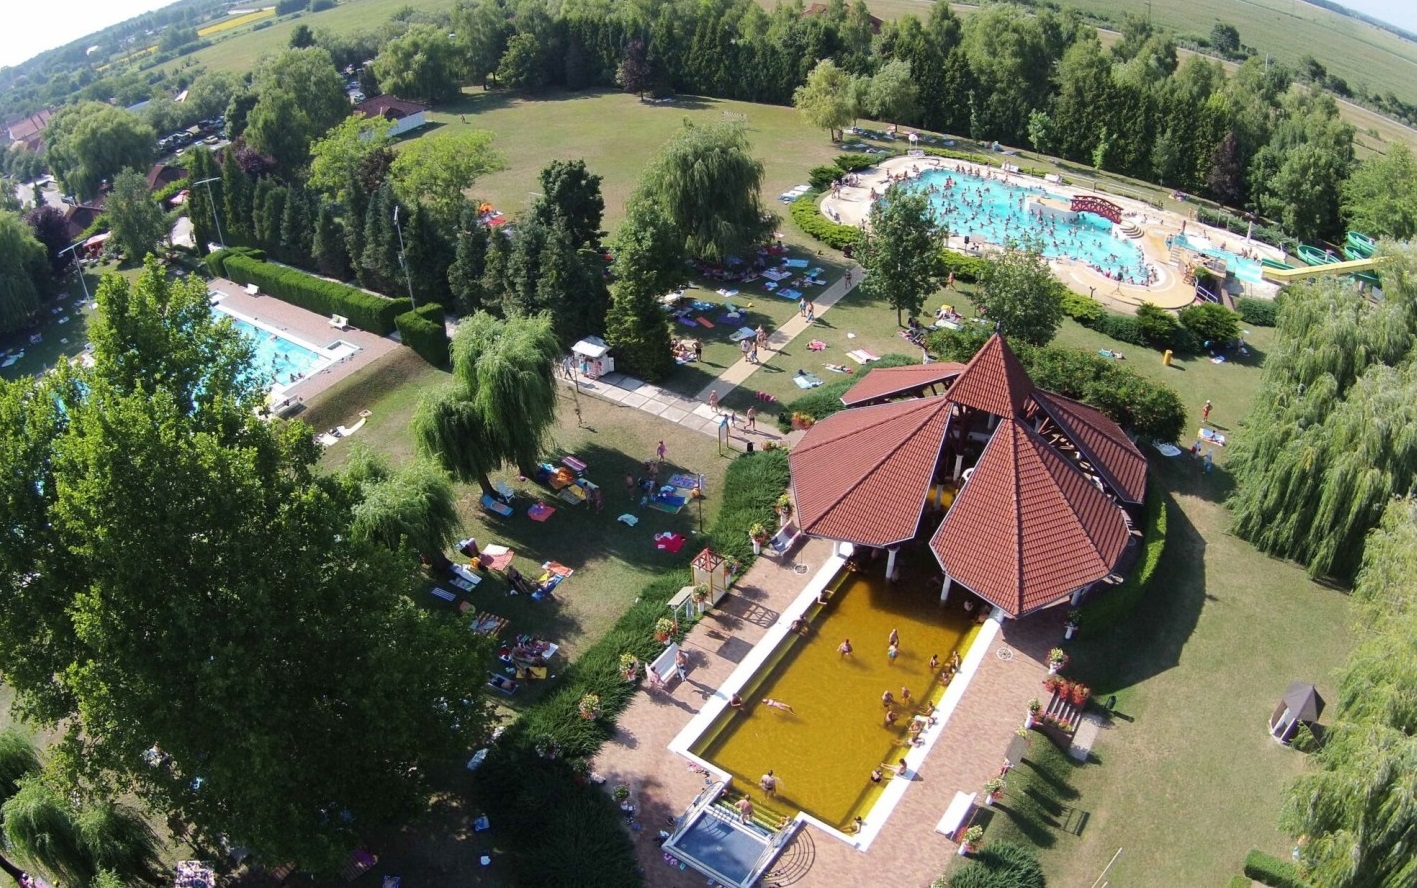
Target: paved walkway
x=908 y=851
x=694 y=413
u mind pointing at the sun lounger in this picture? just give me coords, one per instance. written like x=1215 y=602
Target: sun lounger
x=440 y=592
x=466 y=574
x=504 y=490
x=460 y=583
x=785 y=538
x=502 y=684
x=742 y=333
x=495 y=506
x=662 y=670
x=360 y=862
x=339 y=322
x=488 y=624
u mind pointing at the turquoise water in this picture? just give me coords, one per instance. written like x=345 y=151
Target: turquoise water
x=996 y=212
x=278 y=360
x=1245 y=269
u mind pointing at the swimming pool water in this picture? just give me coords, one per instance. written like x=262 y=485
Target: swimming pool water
x=997 y=212
x=823 y=752
x=278 y=361
x=1246 y=270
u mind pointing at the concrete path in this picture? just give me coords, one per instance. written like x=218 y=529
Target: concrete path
x=1088 y=728
x=694 y=413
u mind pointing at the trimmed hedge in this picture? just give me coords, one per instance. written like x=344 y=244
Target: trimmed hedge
x=1109 y=609
x=216 y=260
x=851 y=163
x=367 y=311
x=425 y=331
x=966 y=268
x=1260 y=312
x=580 y=838
x=824 y=400
x=1000 y=864
x=822 y=177
x=1272 y=871
x=810 y=220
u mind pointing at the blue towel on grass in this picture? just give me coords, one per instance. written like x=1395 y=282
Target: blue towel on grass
x=796 y=263
x=790 y=294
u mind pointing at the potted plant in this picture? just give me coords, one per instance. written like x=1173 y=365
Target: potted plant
x=973 y=837
x=589 y=707
x=784 y=508
x=1035 y=706
x=664 y=629
x=701 y=596
x=759 y=535
x=1079 y=694
x=1057 y=659
x=993 y=790
x=629 y=667
x=621 y=793
x=1074 y=623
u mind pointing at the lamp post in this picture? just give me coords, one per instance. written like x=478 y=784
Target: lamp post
x=403 y=259
x=74 y=249
x=212 y=201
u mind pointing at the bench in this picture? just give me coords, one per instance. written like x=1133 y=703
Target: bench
x=785 y=538
x=339 y=322
x=955 y=814
x=663 y=669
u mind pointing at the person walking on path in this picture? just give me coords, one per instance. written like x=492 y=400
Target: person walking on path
x=713 y=400
x=802 y=307
x=1205 y=412
x=762 y=338
x=660 y=451
x=681 y=664
x=752 y=417
x=747 y=348
x=811 y=312
x=848 y=277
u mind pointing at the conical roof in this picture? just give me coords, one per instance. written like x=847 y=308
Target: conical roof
x=892 y=382
x=994 y=381
x=1101 y=440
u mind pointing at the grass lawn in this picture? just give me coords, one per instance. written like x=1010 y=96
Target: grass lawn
x=612 y=561
x=1189 y=779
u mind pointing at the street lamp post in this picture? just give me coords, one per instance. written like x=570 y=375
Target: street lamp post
x=403 y=259
x=212 y=201
x=74 y=249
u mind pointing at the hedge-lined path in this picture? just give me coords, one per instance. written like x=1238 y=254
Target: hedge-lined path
x=308 y=327
x=694 y=413
x=908 y=851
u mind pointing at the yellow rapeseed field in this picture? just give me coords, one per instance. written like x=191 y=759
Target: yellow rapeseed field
x=236 y=22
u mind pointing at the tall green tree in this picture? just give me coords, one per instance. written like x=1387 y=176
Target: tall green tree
x=93 y=141
x=1380 y=198
x=24 y=273
x=299 y=96
x=133 y=216
x=824 y=101
x=709 y=184
x=290 y=634
x=481 y=30
x=436 y=171
x=327 y=243
x=1019 y=294
x=337 y=156
x=901 y=252
x=894 y=95
x=570 y=194
x=521 y=64
x=504 y=402
x=413 y=506
x=422 y=63
x=649 y=252
x=466 y=274
x=237 y=195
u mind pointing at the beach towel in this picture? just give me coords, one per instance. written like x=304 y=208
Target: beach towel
x=700 y=305
x=790 y=294
x=497 y=560
x=687 y=321
x=838 y=368
x=440 y=592
x=669 y=542
x=540 y=512
x=732 y=317
x=728 y=294
x=704 y=322
x=743 y=333
x=816 y=345
x=776 y=274
x=488 y=624
x=796 y=263
x=682 y=480
x=806 y=380
x=861 y=356
x=557 y=569
x=628 y=520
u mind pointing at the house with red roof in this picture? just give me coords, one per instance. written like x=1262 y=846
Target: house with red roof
x=28 y=131
x=405 y=115
x=1039 y=491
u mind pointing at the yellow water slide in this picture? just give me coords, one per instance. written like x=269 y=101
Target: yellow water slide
x=1290 y=275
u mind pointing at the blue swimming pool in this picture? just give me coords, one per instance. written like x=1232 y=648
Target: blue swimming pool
x=278 y=360
x=998 y=213
x=1246 y=270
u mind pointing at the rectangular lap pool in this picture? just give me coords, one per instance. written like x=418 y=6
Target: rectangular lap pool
x=823 y=751
x=280 y=360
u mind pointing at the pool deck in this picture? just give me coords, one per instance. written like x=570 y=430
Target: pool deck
x=1170 y=291
x=907 y=851
x=309 y=327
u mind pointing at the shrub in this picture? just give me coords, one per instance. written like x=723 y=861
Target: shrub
x=966 y=268
x=810 y=220
x=1000 y=865
x=824 y=400
x=822 y=177
x=1158 y=327
x=1081 y=309
x=1272 y=871
x=425 y=331
x=1260 y=312
x=18 y=760
x=581 y=840
x=1304 y=739
x=367 y=311
x=1123 y=328
x=851 y=163
x=1211 y=322
x=959 y=345
x=1116 y=602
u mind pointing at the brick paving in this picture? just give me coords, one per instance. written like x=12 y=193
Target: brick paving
x=907 y=851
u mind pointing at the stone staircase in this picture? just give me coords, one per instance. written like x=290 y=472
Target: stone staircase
x=1130 y=230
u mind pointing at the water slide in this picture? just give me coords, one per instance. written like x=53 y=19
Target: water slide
x=1290 y=275
x=1359 y=246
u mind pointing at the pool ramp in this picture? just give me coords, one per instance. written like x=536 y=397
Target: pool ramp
x=718 y=844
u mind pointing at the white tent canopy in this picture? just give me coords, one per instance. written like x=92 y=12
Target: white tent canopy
x=591 y=347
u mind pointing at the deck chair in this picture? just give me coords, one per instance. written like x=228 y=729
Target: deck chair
x=495 y=506
x=504 y=490
x=785 y=538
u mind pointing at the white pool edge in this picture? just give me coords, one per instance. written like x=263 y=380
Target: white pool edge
x=895 y=790
x=326 y=356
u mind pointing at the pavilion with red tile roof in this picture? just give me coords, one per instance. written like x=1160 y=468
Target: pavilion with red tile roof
x=1044 y=482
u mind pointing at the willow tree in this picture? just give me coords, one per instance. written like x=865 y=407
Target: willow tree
x=708 y=182
x=412 y=506
x=1333 y=434
x=1358 y=811
x=503 y=401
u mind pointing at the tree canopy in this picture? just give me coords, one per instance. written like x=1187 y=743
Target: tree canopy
x=423 y=63
x=825 y=99
x=94 y=141
x=134 y=217
x=240 y=605
x=901 y=252
x=437 y=170
x=337 y=157
x=710 y=186
x=1018 y=293
x=24 y=272
x=1380 y=198
x=298 y=96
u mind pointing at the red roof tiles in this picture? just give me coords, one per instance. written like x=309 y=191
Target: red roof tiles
x=1102 y=441
x=1028 y=527
x=993 y=381
x=862 y=475
x=893 y=382
x=389 y=107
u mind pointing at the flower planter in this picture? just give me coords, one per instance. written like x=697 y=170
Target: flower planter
x=1054 y=667
x=1029 y=721
x=1069 y=631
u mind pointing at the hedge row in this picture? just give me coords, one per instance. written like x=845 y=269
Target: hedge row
x=1260 y=312
x=579 y=837
x=985 y=160
x=824 y=400
x=968 y=269
x=367 y=311
x=810 y=220
x=1109 y=609
x=425 y=331
x=1272 y=871
x=1242 y=226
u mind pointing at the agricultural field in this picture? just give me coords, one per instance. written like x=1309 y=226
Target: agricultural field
x=236 y=22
